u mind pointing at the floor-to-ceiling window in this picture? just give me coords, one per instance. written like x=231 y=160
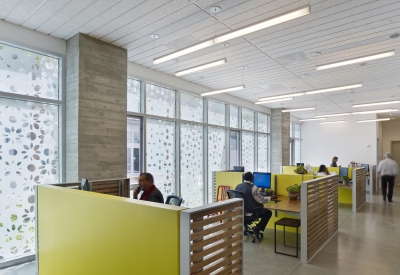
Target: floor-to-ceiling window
x=30 y=147
x=295 y=143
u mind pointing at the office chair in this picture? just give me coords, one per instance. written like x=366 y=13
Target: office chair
x=174 y=200
x=249 y=217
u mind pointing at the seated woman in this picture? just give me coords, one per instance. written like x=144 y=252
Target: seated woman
x=323 y=171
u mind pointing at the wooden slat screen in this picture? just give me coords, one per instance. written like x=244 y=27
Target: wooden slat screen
x=373 y=180
x=359 y=190
x=319 y=217
x=212 y=238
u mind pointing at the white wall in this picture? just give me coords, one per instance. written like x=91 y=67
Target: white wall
x=390 y=132
x=348 y=141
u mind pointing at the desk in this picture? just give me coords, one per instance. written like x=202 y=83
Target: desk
x=285 y=205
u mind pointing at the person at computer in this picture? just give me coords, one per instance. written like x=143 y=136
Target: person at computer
x=334 y=161
x=323 y=171
x=150 y=191
x=388 y=169
x=254 y=199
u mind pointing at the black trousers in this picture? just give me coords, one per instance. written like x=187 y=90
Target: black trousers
x=265 y=215
x=387 y=180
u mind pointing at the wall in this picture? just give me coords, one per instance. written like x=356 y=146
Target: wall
x=348 y=141
x=390 y=132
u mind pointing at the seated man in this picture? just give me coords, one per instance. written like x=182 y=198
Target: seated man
x=254 y=199
x=150 y=191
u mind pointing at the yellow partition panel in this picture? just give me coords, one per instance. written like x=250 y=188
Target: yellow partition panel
x=90 y=233
x=231 y=179
x=283 y=181
x=350 y=172
x=288 y=170
x=279 y=216
x=345 y=195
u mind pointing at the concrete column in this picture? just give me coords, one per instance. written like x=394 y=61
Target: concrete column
x=96 y=87
x=280 y=140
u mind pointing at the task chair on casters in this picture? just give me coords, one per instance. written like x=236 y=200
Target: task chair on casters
x=249 y=217
x=174 y=200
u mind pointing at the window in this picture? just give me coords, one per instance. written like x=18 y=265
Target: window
x=234 y=149
x=160 y=154
x=160 y=101
x=216 y=113
x=133 y=148
x=262 y=153
x=191 y=107
x=295 y=143
x=192 y=165
x=134 y=95
x=263 y=126
x=29 y=147
x=216 y=154
x=234 y=117
x=248 y=151
x=247 y=120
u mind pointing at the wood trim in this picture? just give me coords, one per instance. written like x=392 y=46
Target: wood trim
x=215 y=229
x=214 y=219
x=215 y=210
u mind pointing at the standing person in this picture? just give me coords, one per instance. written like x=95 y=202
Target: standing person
x=150 y=191
x=388 y=169
x=334 y=161
x=254 y=199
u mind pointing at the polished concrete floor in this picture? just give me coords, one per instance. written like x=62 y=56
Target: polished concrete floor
x=367 y=243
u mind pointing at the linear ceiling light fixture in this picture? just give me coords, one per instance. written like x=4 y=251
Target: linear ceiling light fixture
x=279 y=96
x=375 y=111
x=329 y=122
x=355 y=60
x=297 y=110
x=310 y=119
x=376 y=103
x=236 y=33
x=353 y=86
x=274 y=100
x=201 y=67
x=224 y=90
x=342 y=114
x=371 y=120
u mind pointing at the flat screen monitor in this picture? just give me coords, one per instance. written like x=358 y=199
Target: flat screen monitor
x=343 y=171
x=262 y=180
x=238 y=168
x=85 y=185
x=298 y=164
x=366 y=166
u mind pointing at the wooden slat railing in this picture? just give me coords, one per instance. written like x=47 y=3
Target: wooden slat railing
x=319 y=214
x=212 y=239
x=359 y=188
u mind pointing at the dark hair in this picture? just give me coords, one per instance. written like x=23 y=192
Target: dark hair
x=334 y=158
x=148 y=177
x=248 y=177
x=321 y=168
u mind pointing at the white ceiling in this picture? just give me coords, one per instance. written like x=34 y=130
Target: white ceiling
x=338 y=29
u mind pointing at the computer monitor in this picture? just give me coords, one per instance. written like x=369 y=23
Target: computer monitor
x=343 y=171
x=238 y=168
x=262 y=180
x=85 y=185
x=366 y=166
x=299 y=163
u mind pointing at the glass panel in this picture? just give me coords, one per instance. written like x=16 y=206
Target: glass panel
x=191 y=107
x=192 y=165
x=291 y=129
x=160 y=155
x=28 y=73
x=134 y=95
x=291 y=152
x=28 y=156
x=248 y=151
x=234 y=149
x=216 y=155
x=234 y=117
x=263 y=123
x=262 y=154
x=216 y=113
x=160 y=101
x=133 y=148
x=297 y=153
x=297 y=130
x=247 y=120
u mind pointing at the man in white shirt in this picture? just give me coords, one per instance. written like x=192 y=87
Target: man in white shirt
x=388 y=169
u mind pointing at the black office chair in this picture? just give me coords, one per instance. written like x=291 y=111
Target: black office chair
x=174 y=200
x=250 y=214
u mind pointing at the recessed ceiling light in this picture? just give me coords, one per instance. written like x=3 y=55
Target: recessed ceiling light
x=297 y=110
x=215 y=9
x=201 y=67
x=336 y=121
x=355 y=60
x=394 y=35
x=376 y=103
x=334 y=89
x=316 y=53
x=330 y=115
x=371 y=120
x=225 y=44
x=154 y=36
x=310 y=119
x=304 y=75
x=224 y=90
x=375 y=111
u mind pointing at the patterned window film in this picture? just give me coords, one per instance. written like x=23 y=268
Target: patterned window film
x=191 y=107
x=160 y=101
x=262 y=123
x=134 y=95
x=247 y=120
x=192 y=165
x=234 y=117
x=216 y=113
x=216 y=154
x=262 y=154
x=248 y=151
x=160 y=155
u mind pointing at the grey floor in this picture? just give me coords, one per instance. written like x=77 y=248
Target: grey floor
x=367 y=243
